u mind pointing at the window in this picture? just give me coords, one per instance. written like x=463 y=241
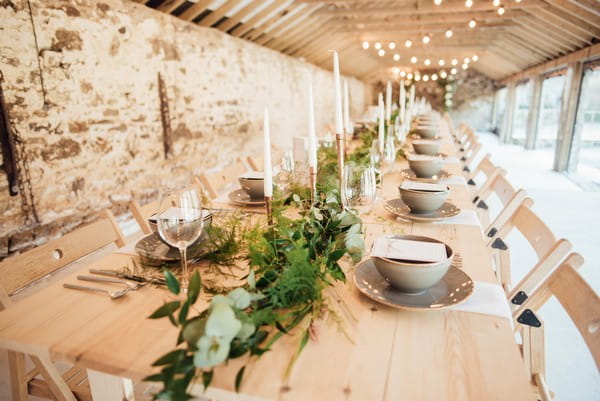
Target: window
x=552 y=90
x=499 y=109
x=521 y=112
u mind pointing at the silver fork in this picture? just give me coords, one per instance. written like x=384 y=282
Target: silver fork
x=112 y=294
x=130 y=285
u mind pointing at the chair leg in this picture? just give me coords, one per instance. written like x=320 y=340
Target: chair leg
x=18 y=376
x=57 y=385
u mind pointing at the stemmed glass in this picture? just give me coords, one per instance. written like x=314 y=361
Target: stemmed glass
x=360 y=187
x=180 y=221
x=389 y=154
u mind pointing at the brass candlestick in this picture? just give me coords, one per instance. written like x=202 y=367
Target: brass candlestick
x=269 y=207
x=339 y=139
x=312 y=172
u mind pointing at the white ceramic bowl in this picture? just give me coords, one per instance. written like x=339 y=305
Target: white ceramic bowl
x=427 y=131
x=413 y=277
x=426 y=147
x=423 y=201
x=426 y=168
x=253 y=184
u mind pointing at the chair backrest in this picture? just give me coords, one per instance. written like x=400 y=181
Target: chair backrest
x=21 y=270
x=497 y=184
x=215 y=182
x=577 y=297
x=485 y=167
x=255 y=163
x=141 y=214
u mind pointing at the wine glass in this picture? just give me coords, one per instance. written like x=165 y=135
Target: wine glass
x=180 y=221
x=375 y=155
x=360 y=187
x=389 y=155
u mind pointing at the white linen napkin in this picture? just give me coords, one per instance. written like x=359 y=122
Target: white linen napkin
x=410 y=250
x=487 y=299
x=465 y=217
x=450 y=160
x=454 y=180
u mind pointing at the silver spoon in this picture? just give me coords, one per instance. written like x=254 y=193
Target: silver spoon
x=112 y=294
x=130 y=285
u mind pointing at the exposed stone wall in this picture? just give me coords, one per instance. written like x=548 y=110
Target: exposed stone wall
x=473 y=101
x=97 y=141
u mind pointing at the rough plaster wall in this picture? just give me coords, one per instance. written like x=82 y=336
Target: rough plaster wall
x=99 y=141
x=473 y=100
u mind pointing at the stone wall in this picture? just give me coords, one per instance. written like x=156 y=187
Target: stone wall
x=473 y=101
x=96 y=141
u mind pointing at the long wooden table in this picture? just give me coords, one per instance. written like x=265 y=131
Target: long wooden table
x=375 y=353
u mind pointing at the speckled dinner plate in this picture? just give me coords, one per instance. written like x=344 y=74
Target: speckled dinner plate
x=241 y=197
x=452 y=289
x=399 y=208
x=441 y=175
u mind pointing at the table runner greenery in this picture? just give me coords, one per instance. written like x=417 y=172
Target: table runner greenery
x=291 y=262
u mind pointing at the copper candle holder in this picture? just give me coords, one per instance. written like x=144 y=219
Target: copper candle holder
x=339 y=139
x=312 y=172
x=269 y=208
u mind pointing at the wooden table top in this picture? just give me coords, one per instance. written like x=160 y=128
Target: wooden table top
x=376 y=353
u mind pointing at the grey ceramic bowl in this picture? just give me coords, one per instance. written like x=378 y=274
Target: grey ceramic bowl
x=423 y=201
x=426 y=168
x=413 y=277
x=254 y=186
x=427 y=131
x=426 y=147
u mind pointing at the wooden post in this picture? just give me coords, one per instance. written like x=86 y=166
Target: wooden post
x=509 y=112
x=568 y=113
x=534 y=111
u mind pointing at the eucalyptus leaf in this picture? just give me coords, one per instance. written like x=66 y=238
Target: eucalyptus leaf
x=165 y=310
x=172 y=283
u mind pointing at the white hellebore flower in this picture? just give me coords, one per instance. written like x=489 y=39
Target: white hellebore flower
x=221 y=327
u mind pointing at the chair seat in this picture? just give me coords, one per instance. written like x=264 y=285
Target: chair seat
x=76 y=379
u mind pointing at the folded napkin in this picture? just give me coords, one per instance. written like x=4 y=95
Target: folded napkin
x=413 y=156
x=423 y=186
x=408 y=250
x=450 y=159
x=454 y=180
x=487 y=299
x=465 y=217
x=253 y=175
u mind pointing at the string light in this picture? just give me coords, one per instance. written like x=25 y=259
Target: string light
x=449 y=33
x=402 y=74
x=381 y=52
x=443 y=74
x=413 y=59
x=467 y=60
x=395 y=70
x=434 y=77
x=427 y=61
x=425 y=77
x=377 y=45
x=396 y=57
x=469 y=3
x=465 y=66
x=409 y=75
x=441 y=63
x=453 y=71
x=392 y=45
x=501 y=10
x=365 y=45
x=408 y=43
x=454 y=61
x=472 y=23
x=496 y=3
x=475 y=57
x=437 y=2
x=417 y=78
x=426 y=39
x=518 y=1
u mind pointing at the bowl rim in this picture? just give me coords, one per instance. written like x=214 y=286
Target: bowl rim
x=449 y=252
x=424 y=192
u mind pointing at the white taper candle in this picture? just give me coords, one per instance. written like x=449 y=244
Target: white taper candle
x=312 y=135
x=267 y=156
x=381 y=123
x=346 y=107
x=402 y=101
x=339 y=125
x=388 y=101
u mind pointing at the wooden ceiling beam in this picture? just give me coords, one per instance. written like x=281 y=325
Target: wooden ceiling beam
x=566 y=28
x=589 y=5
x=535 y=54
x=289 y=46
x=219 y=12
x=445 y=7
x=324 y=43
x=576 y=11
x=506 y=53
x=512 y=51
x=546 y=33
x=169 y=6
x=559 y=29
x=275 y=6
x=573 y=22
x=239 y=16
x=435 y=18
x=307 y=27
x=279 y=19
x=195 y=10
x=559 y=45
x=427 y=27
x=300 y=18
x=402 y=34
x=535 y=40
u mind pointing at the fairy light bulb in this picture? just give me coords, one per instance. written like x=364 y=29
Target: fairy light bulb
x=449 y=33
x=426 y=39
x=467 y=60
x=434 y=77
x=408 y=43
x=441 y=63
x=472 y=24
x=402 y=74
x=377 y=45
x=365 y=45
x=417 y=78
x=443 y=74
x=427 y=61
x=437 y=2
x=454 y=61
x=501 y=10
x=409 y=75
x=465 y=66
x=469 y=3
x=453 y=71
x=425 y=77
x=381 y=52
x=396 y=57
x=392 y=45
x=413 y=59
x=475 y=57
x=396 y=70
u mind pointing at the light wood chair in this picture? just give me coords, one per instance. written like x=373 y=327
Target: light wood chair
x=550 y=252
x=255 y=163
x=22 y=270
x=216 y=182
x=580 y=302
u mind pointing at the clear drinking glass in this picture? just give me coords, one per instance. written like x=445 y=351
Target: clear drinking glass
x=389 y=155
x=180 y=221
x=375 y=155
x=360 y=187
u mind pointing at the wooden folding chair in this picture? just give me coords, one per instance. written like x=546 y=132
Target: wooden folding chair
x=217 y=182
x=580 y=302
x=255 y=163
x=485 y=167
x=22 y=270
x=548 y=249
